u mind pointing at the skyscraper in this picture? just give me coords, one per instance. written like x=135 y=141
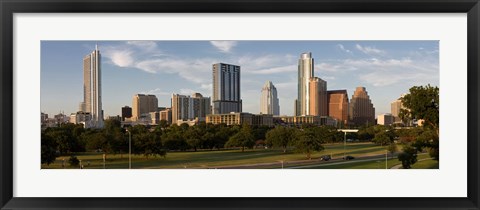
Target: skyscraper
x=318 y=97
x=92 y=88
x=188 y=108
x=338 y=105
x=396 y=106
x=226 y=88
x=361 y=109
x=305 y=73
x=269 y=101
x=142 y=105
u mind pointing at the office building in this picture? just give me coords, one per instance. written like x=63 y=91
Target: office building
x=239 y=118
x=126 y=112
x=92 y=87
x=305 y=73
x=385 y=119
x=189 y=107
x=166 y=115
x=318 y=97
x=269 y=100
x=226 y=89
x=298 y=121
x=142 y=105
x=338 y=105
x=396 y=107
x=361 y=110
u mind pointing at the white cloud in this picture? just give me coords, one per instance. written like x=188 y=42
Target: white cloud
x=342 y=48
x=275 y=70
x=144 y=45
x=121 y=58
x=224 y=46
x=370 y=50
x=156 y=91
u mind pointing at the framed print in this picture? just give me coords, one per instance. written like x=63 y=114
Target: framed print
x=239 y=105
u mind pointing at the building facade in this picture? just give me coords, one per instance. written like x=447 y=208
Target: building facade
x=190 y=107
x=396 y=106
x=166 y=115
x=226 y=89
x=142 y=105
x=385 y=119
x=269 y=103
x=298 y=121
x=338 y=105
x=318 y=97
x=305 y=73
x=126 y=112
x=361 y=110
x=92 y=87
x=239 y=118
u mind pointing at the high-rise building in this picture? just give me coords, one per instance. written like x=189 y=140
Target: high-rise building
x=396 y=106
x=385 y=119
x=166 y=115
x=269 y=102
x=226 y=88
x=338 y=105
x=126 y=112
x=188 y=108
x=318 y=97
x=142 y=105
x=361 y=110
x=305 y=73
x=92 y=87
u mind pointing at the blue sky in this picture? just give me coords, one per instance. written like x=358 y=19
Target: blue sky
x=386 y=68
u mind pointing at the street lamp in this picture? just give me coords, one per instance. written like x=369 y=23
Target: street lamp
x=129 y=149
x=345 y=131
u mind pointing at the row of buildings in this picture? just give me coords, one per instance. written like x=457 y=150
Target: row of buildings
x=315 y=104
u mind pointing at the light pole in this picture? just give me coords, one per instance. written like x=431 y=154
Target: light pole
x=129 y=149
x=345 y=131
x=386 y=160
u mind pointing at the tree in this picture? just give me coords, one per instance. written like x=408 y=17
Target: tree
x=307 y=143
x=408 y=157
x=392 y=148
x=49 y=151
x=148 y=144
x=193 y=138
x=280 y=137
x=382 y=138
x=244 y=138
x=423 y=103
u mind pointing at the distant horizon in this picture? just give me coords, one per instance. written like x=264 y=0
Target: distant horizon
x=386 y=69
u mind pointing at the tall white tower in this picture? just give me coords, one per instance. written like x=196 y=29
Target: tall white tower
x=305 y=72
x=92 y=87
x=269 y=101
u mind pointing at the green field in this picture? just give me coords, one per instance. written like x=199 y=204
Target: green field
x=258 y=158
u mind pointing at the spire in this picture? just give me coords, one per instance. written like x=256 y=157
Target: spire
x=96 y=46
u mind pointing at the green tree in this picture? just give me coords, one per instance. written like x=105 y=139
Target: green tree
x=280 y=137
x=193 y=138
x=49 y=151
x=244 y=138
x=422 y=102
x=381 y=139
x=408 y=157
x=392 y=148
x=307 y=143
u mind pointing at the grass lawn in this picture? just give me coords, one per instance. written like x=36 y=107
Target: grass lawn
x=426 y=164
x=212 y=159
x=370 y=164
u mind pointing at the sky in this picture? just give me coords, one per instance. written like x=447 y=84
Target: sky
x=385 y=68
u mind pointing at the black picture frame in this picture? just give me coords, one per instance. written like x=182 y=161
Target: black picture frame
x=10 y=7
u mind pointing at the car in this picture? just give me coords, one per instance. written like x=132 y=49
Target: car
x=326 y=158
x=349 y=157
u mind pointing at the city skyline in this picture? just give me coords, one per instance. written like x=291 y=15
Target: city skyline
x=386 y=68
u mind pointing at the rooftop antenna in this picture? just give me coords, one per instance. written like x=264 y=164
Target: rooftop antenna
x=96 y=46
